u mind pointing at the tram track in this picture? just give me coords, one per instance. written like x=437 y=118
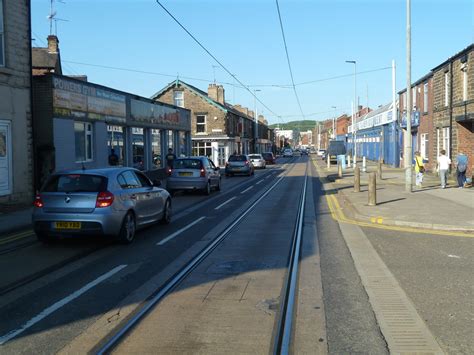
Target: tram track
x=283 y=329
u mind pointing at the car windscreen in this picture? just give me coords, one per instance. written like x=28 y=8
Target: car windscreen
x=187 y=164
x=267 y=155
x=237 y=158
x=255 y=156
x=76 y=183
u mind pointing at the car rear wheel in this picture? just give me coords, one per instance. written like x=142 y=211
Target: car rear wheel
x=128 y=229
x=207 y=189
x=166 y=219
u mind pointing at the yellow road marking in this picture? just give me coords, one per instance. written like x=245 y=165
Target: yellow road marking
x=15 y=237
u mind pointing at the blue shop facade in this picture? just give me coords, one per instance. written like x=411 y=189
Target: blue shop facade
x=78 y=124
x=377 y=136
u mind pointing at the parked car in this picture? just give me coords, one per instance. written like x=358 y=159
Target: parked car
x=239 y=164
x=257 y=161
x=288 y=153
x=112 y=202
x=193 y=173
x=321 y=152
x=335 y=148
x=269 y=157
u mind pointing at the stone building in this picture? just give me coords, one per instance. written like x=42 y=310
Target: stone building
x=16 y=153
x=47 y=60
x=453 y=106
x=218 y=129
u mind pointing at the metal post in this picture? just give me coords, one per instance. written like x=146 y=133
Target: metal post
x=408 y=149
x=356 y=179
x=349 y=160
x=328 y=159
x=364 y=164
x=372 y=190
x=379 y=169
x=339 y=169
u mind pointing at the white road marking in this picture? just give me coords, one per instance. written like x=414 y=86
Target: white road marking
x=225 y=203
x=247 y=189
x=167 y=239
x=53 y=308
x=454 y=256
x=259 y=182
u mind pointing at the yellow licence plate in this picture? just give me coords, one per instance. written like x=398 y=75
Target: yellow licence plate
x=67 y=225
x=186 y=174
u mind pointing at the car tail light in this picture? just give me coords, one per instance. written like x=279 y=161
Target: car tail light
x=203 y=172
x=168 y=171
x=38 y=201
x=104 y=199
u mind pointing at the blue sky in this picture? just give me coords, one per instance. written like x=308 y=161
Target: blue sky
x=245 y=36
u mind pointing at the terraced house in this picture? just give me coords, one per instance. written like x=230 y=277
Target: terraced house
x=218 y=129
x=16 y=154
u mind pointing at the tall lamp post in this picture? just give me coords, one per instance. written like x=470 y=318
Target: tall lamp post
x=408 y=148
x=256 y=118
x=354 y=130
x=334 y=123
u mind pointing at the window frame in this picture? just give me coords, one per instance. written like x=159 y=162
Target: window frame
x=424 y=145
x=201 y=124
x=425 y=97
x=446 y=89
x=464 y=81
x=2 y=36
x=178 y=101
x=88 y=134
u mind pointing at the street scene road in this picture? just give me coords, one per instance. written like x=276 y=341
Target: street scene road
x=236 y=177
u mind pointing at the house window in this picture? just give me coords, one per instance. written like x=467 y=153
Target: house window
x=179 y=98
x=83 y=141
x=202 y=149
x=446 y=89
x=424 y=146
x=2 y=36
x=425 y=97
x=200 y=124
x=464 y=82
x=446 y=141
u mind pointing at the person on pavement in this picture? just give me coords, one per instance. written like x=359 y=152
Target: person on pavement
x=170 y=157
x=419 y=169
x=443 y=166
x=461 y=166
x=113 y=158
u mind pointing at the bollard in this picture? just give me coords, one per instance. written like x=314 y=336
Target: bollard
x=349 y=161
x=364 y=165
x=356 y=179
x=328 y=158
x=339 y=169
x=372 y=190
x=379 y=170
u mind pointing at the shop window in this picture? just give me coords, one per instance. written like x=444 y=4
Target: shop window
x=156 y=148
x=424 y=146
x=2 y=36
x=446 y=140
x=464 y=81
x=178 y=97
x=202 y=149
x=138 y=150
x=83 y=141
x=115 y=144
x=200 y=124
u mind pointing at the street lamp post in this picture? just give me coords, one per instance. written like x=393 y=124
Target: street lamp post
x=354 y=130
x=334 y=123
x=408 y=148
x=256 y=118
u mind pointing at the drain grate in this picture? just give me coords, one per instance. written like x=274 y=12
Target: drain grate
x=403 y=329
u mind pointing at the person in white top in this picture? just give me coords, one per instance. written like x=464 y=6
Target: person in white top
x=443 y=166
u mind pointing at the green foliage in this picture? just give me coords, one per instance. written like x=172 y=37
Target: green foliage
x=301 y=126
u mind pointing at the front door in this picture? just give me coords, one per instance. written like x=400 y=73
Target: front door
x=5 y=159
x=221 y=157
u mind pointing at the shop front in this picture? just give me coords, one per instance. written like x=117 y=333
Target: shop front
x=80 y=125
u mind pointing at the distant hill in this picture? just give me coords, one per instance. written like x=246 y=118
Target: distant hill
x=301 y=126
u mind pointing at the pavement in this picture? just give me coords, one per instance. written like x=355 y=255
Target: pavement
x=428 y=207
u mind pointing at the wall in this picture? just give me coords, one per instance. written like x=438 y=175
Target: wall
x=15 y=105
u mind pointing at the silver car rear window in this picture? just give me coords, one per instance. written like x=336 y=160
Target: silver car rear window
x=76 y=183
x=237 y=158
x=187 y=164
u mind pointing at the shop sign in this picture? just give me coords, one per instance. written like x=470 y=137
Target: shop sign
x=163 y=117
x=81 y=100
x=415 y=119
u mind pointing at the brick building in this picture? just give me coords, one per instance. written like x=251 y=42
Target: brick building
x=47 y=60
x=16 y=153
x=453 y=106
x=342 y=126
x=218 y=129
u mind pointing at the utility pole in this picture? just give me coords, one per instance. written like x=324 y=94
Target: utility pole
x=408 y=147
x=256 y=118
x=394 y=109
x=334 y=123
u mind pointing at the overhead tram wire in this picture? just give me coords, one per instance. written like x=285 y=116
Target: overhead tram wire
x=342 y=76
x=213 y=57
x=288 y=60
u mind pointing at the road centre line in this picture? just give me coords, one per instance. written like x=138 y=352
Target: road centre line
x=53 y=308
x=225 y=203
x=259 y=182
x=167 y=239
x=247 y=189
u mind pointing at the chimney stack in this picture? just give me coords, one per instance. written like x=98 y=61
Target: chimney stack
x=53 y=44
x=216 y=92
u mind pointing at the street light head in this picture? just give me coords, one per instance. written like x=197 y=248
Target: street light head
x=351 y=61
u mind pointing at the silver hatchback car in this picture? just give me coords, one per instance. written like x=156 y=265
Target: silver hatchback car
x=112 y=202
x=193 y=173
x=257 y=161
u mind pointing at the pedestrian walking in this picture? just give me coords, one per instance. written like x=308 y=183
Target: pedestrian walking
x=461 y=166
x=443 y=166
x=170 y=157
x=419 y=169
x=113 y=158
